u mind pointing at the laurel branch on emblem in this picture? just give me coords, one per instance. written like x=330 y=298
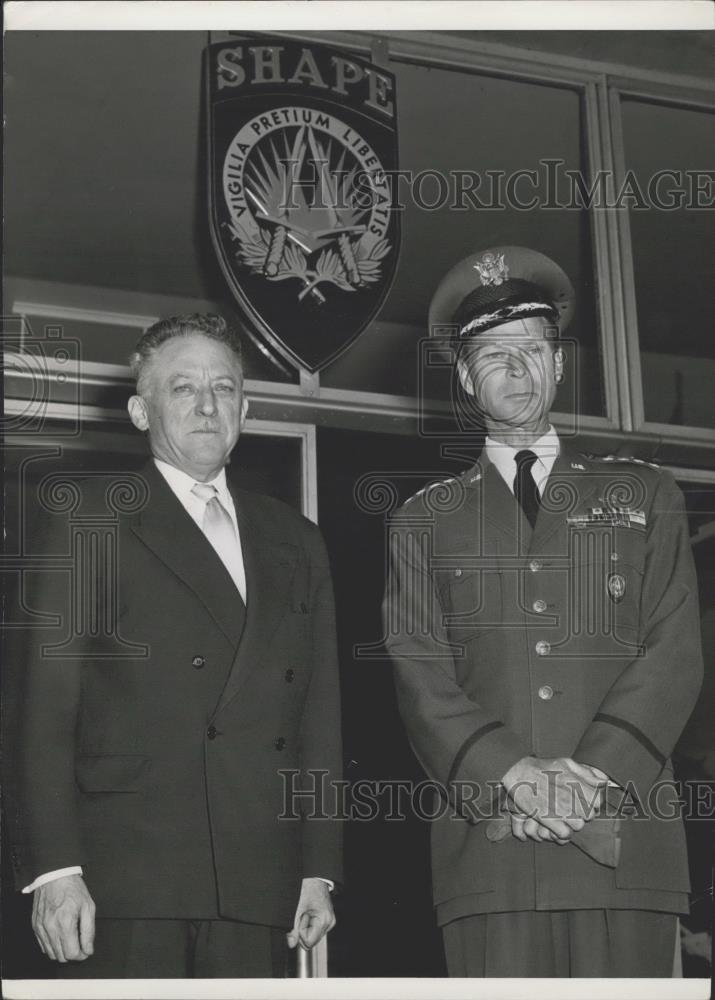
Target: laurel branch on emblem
x=290 y=230
x=349 y=267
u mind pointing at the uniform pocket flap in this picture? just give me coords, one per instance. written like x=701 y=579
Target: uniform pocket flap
x=111 y=772
x=653 y=846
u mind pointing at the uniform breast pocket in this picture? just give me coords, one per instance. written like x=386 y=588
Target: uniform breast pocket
x=606 y=579
x=624 y=585
x=471 y=603
x=606 y=596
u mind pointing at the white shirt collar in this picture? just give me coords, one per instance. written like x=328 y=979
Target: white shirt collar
x=503 y=456
x=182 y=483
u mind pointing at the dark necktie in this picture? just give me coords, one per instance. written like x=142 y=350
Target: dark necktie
x=525 y=489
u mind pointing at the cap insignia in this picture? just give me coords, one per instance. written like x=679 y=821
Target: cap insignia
x=492 y=268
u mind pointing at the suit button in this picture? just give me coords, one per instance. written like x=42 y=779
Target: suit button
x=198 y=662
x=543 y=648
x=289 y=675
x=457 y=572
x=539 y=606
x=304 y=607
x=546 y=692
x=212 y=732
x=535 y=565
x=279 y=743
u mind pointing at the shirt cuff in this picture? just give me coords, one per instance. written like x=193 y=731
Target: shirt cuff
x=330 y=884
x=51 y=876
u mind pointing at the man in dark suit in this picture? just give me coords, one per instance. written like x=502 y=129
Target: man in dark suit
x=149 y=744
x=542 y=616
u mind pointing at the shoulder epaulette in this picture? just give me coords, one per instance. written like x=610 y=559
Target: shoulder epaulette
x=429 y=486
x=622 y=458
x=438 y=482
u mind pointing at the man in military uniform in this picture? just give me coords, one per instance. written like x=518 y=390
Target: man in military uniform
x=542 y=617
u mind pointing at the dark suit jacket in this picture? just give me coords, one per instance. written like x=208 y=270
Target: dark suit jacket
x=508 y=643
x=156 y=715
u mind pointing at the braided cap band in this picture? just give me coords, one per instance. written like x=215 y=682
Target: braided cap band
x=491 y=305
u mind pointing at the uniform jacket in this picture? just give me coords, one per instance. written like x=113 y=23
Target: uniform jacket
x=579 y=638
x=153 y=726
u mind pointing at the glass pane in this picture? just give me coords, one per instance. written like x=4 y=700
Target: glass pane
x=673 y=251
x=456 y=121
x=129 y=213
x=386 y=862
x=121 y=202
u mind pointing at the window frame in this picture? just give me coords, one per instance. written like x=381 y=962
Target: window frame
x=627 y=323
x=601 y=86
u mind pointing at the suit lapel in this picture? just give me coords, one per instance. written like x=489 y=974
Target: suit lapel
x=270 y=567
x=167 y=529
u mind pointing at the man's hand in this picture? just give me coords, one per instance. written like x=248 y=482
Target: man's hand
x=63 y=919
x=527 y=828
x=558 y=794
x=314 y=915
x=589 y=773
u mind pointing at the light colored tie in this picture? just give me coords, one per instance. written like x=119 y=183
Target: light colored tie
x=218 y=528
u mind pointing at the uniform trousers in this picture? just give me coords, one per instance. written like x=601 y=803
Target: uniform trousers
x=182 y=949
x=562 y=943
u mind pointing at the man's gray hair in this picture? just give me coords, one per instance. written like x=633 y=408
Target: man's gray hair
x=207 y=324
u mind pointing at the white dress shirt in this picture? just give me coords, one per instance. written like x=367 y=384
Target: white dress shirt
x=503 y=456
x=181 y=485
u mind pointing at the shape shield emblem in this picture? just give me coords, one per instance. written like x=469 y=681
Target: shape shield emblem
x=302 y=143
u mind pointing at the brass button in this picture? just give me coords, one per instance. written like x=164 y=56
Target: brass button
x=198 y=662
x=539 y=606
x=289 y=675
x=546 y=692
x=212 y=732
x=535 y=565
x=543 y=648
x=457 y=572
x=279 y=743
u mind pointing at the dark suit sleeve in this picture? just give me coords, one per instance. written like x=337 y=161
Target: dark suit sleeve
x=453 y=737
x=41 y=716
x=320 y=729
x=645 y=711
